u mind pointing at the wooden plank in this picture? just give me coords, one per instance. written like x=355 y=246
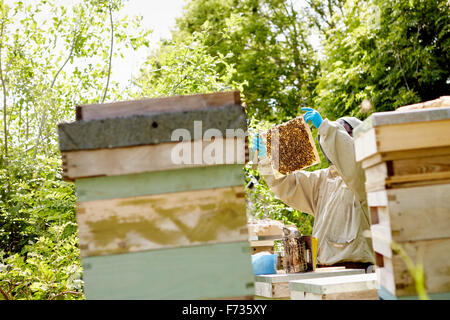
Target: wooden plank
x=318 y=273
x=381 y=239
x=262 y=243
x=156 y=105
x=405 y=154
x=272 y=290
x=397 y=173
x=399 y=137
x=338 y=284
x=161 y=221
x=365 y=145
x=420 y=165
x=159 y=182
x=388 y=118
x=277 y=285
x=266 y=227
x=160 y=157
x=228 y=121
x=414 y=136
x=435 y=258
x=359 y=295
x=377 y=198
x=376 y=177
x=418 y=213
x=198 y=272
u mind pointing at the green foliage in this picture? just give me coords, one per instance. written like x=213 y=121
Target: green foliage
x=391 y=53
x=267 y=43
x=52 y=64
x=50 y=269
x=52 y=57
x=262 y=203
x=34 y=199
x=185 y=67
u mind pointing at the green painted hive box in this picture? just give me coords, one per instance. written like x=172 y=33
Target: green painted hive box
x=160 y=197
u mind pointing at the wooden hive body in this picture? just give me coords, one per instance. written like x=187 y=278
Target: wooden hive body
x=151 y=227
x=406 y=159
x=346 y=287
x=276 y=286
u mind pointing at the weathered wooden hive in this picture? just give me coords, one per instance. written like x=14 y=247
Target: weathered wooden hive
x=406 y=158
x=160 y=218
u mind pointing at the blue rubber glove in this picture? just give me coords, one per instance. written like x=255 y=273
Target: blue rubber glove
x=258 y=144
x=313 y=116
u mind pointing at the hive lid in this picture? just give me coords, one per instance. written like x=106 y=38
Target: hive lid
x=386 y=118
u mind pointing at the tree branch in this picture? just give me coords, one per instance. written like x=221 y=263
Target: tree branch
x=64 y=293
x=110 y=52
x=44 y=112
x=4 y=294
x=5 y=125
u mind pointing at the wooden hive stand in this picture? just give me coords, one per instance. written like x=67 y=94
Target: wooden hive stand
x=406 y=159
x=151 y=227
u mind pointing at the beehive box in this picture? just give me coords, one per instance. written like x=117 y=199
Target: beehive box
x=346 y=287
x=276 y=286
x=406 y=158
x=160 y=218
x=290 y=146
x=263 y=233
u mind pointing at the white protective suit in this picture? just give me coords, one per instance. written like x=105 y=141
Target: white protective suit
x=335 y=196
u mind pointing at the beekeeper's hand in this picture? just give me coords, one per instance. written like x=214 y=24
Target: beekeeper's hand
x=313 y=116
x=258 y=144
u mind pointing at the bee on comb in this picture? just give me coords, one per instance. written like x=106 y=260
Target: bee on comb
x=291 y=147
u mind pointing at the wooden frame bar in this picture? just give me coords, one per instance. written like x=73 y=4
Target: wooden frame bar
x=150 y=106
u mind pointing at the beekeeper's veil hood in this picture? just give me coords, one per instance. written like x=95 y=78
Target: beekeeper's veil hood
x=351 y=121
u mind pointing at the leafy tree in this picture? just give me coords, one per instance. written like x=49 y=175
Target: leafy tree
x=391 y=53
x=52 y=57
x=184 y=67
x=50 y=271
x=268 y=46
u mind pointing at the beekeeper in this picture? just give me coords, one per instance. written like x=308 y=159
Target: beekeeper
x=335 y=196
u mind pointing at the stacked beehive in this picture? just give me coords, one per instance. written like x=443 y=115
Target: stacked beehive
x=159 y=218
x=263 y=233
x=406 y=158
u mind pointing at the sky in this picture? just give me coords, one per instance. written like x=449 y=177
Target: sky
x=159 y=16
